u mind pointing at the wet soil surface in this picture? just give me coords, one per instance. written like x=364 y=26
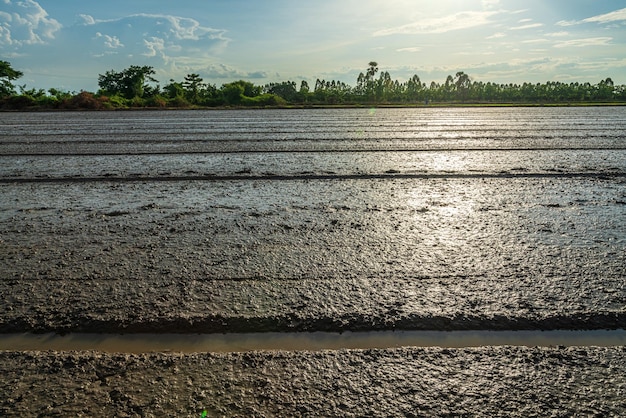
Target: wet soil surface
x=314 y=220
x=482 y=382
x=314 y=255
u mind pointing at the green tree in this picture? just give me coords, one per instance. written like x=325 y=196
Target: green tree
x=462 y=84
x=286 y=90
x=384 y=86
x=448 y=88
x=434 y=91
x=370 y=82
x=606 y=89
x=361 y=85
x=233 y=93
x=59 y=94
x=304 y=87
x=372 y=70
x=413 y=90
x=8 y=74
x=193 y=85
x=209 y=95
x=129 y=83
x=303 y=94
x=175 y=94
x=173 y=89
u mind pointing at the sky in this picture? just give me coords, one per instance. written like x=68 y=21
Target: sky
x=66 y=44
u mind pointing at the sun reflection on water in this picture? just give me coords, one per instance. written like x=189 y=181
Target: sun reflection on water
x=448 y=162
x=447 y=207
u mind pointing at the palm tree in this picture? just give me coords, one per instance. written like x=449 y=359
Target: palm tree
x=369 y=78
x=372 y=70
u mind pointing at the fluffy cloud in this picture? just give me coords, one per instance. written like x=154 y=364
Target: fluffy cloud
x=222 y=71
x=149 y=35
x=112 y=42
x=26 y=23
x=155 y=46
x=74 y=54
x=25 y=27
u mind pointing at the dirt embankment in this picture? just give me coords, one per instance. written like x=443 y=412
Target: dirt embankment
x=486 y=381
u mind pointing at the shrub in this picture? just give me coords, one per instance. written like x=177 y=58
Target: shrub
x=178 y=101
x=117 y=102
x=49 y=102
x=266 y=99
x=137 y=102
x=83 y=100
x=18 y=102
x=156 y=101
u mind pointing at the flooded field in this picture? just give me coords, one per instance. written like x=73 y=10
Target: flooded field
x=313 y=219
x=474 y=261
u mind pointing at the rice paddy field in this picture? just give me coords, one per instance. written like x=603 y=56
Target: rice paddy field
x=300 y=221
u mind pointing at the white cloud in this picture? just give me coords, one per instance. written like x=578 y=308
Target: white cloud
x=161 y=37
x=87 y=20
x=577 y=43
x=410 y=49
x=185 y=28
x=489 y=4
x=172 y=27
x=222 y=71
x=496 y=35
x=89 y=46
x=529 y=26
x=567 y=22
x=26 y=23
x=605 y=66
x=155 y=46
x=615 y=16
x=112 y=42
x=457 y=21
x=558 y=34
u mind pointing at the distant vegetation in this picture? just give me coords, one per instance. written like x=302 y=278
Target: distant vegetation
x=135 y=87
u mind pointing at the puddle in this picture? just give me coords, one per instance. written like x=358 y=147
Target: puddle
x=315 y=341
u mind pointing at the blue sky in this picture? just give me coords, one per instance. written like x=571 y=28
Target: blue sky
x=67 y=43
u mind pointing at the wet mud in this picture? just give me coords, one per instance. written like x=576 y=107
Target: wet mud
x=314 y=220
x=430 y=382
x=302 y=256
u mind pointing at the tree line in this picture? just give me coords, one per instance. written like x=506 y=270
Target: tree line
x=136 y=87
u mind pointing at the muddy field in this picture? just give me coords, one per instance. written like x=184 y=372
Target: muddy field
x=430 y=382
x=314 y=220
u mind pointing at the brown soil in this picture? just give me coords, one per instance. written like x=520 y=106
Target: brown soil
x=232 y=241
x=486 y=381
